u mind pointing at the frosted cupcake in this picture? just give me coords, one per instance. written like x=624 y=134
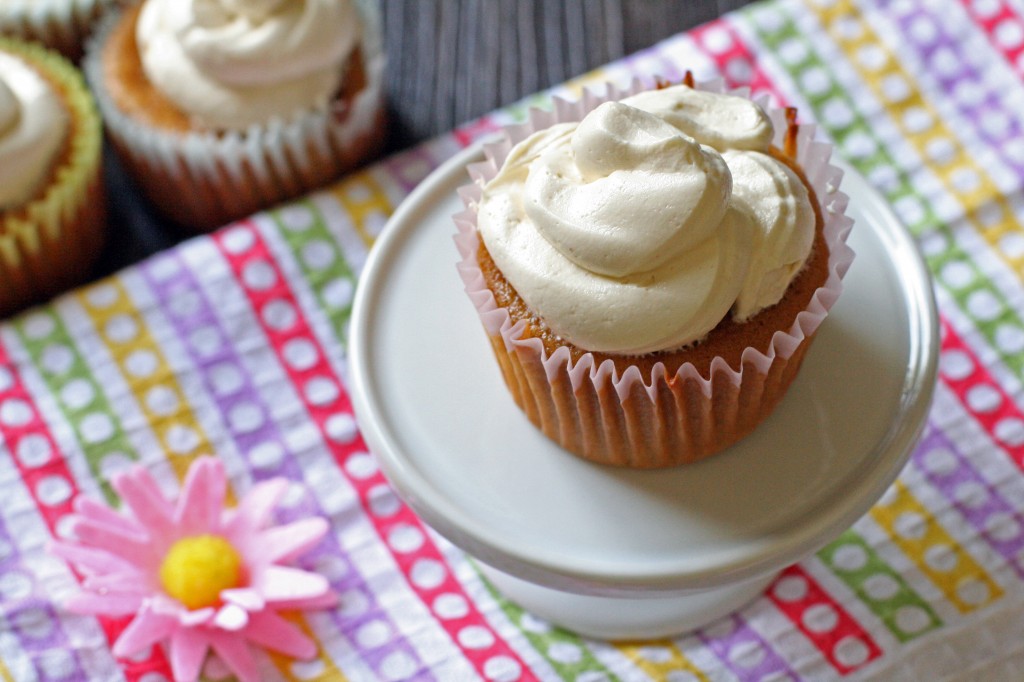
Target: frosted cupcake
x=52 y=209
x=220 y=108
x=61 y=25
x=651 y=271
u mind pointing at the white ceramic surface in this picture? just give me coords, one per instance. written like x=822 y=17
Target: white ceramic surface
x=434 y=410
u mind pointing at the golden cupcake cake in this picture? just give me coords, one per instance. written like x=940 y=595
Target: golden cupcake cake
x=220 y=108
x=52 y=206
x=651 y=269
x=61 y=25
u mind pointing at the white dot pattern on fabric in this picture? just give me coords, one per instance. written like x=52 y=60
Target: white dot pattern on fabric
x=397 y=666
x=341 y=428
x=6 y=379
x=792 y=51
x=428 y=574
x=655 y=654
x=820 y=618
x=940 y=461
x=77 y=393
x=956 y=364
x=373 y=634
x=973 y=591
x=565 y=653
x=681 y=676
x=181 y=439
x=38 y=325
x=121 y=329
x=851 y=651
x=450 y=606
x=971 y=494
x=296 y=218
x=318 y=254
x=226 y=379
x=96 y=428
x=14 y=585
x=475 y=637
x=361 y=465
x=912 y=619
x=34 y=450
x=984 y=305
x=791 y=588
x=910 y=525
x=1010 y=430
x=162 y=401
x=245 y=417
x=279 y=315
x=383 y=501
x=321 y=391
x=404 y=538
x=940 y=558
x=15 y=412
x=1002 y=527
x=1010 y=338
x=957 y=274
x=205 y=341
x=57 y=359
x=881 y=587
x=716 y=39
x=57 y=664
x=267 y=455
x=1009 y=34
x=238 y=240
x=300 y=354
x=502 y=669
x=33 y=623
x=338 y=293
x=114 y=463
x=1012 y=244
x=308 y=670
x=746 y=654
x=141 y=363
x=815 y=81
x=259 y=275
x=850 y=557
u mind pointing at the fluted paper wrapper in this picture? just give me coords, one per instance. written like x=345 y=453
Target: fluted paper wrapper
x=204 y=179
x=51 y=243
x=651 y=421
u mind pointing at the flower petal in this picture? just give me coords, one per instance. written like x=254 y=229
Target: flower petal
x=87 y=603
x=273 y=632
x=140 y=492
x=187 y=651
x=231 y=617
x=279 y=583
x=89 y=559
x=233 y=650
x=323 y=601
x=255 y=509
x=248 y=598
x=119 y=583
x=146 y=629
x=283 y=543
x=202 y=497
x=102 y=515
x=128 y=547
x=191 y=619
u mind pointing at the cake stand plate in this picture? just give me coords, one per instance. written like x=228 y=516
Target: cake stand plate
x=617 y=553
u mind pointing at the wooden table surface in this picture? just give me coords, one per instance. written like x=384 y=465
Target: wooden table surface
x=450 y=61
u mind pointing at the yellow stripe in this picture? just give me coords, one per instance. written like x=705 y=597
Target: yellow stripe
x=362 y=197
x=659 y=659
x=916 y=532
x=874 y=64
x=160 y=397
x=5 y=674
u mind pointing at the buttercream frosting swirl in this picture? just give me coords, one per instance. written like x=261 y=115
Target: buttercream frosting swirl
x=231 y=64
x=33 y=126
x=639 y=228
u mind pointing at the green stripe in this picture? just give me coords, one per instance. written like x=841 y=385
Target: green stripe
x=883 y=590
x=901 y=188
x=326 y=277
x=59 y=363
x=549 y=638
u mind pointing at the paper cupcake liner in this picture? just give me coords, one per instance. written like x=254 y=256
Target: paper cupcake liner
x=650 y=421
x=62 y=25
x=50 y=243
x=202 y=180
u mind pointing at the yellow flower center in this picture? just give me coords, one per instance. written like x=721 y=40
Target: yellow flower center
x=198 y=568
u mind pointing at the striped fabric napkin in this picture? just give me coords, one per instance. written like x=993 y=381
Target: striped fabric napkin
x=235 y=345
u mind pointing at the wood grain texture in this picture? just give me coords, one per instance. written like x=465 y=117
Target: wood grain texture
x=451 y=61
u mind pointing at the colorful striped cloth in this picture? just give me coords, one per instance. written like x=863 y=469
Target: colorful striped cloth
x=235 y=344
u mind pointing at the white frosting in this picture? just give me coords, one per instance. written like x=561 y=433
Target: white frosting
x=628 y=233
x=33 y=126
x=231 y=64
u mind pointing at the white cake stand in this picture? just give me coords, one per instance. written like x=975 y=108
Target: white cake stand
x=624 y=554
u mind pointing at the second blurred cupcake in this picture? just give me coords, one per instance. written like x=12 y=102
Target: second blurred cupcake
x=220 y=108
x=61 y=25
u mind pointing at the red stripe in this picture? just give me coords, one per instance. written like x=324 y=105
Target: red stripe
x=53 y=513
x=1004 y=29
x=734 y=60
x=981 y=394
x=405 y=535
x=474 y=130
x=833 y=631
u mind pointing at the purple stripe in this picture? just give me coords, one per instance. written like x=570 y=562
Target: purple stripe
x=744 y=651
x=934 y=42
x=409 y=168
x=33 y=620
x=254 y=432
x=949 y=469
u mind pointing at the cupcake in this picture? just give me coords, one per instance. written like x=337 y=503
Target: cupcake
x=52 y=208
x=220 y=108
x=651 y=269
x=61 y=25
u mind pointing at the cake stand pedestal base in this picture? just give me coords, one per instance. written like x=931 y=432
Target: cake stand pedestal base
x=645 y=615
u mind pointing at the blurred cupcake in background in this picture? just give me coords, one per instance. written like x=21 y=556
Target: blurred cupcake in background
x=52 y=207
x=62 y=25
x=220 y=108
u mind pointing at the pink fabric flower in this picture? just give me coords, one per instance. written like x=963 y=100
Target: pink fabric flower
x=151 y=556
